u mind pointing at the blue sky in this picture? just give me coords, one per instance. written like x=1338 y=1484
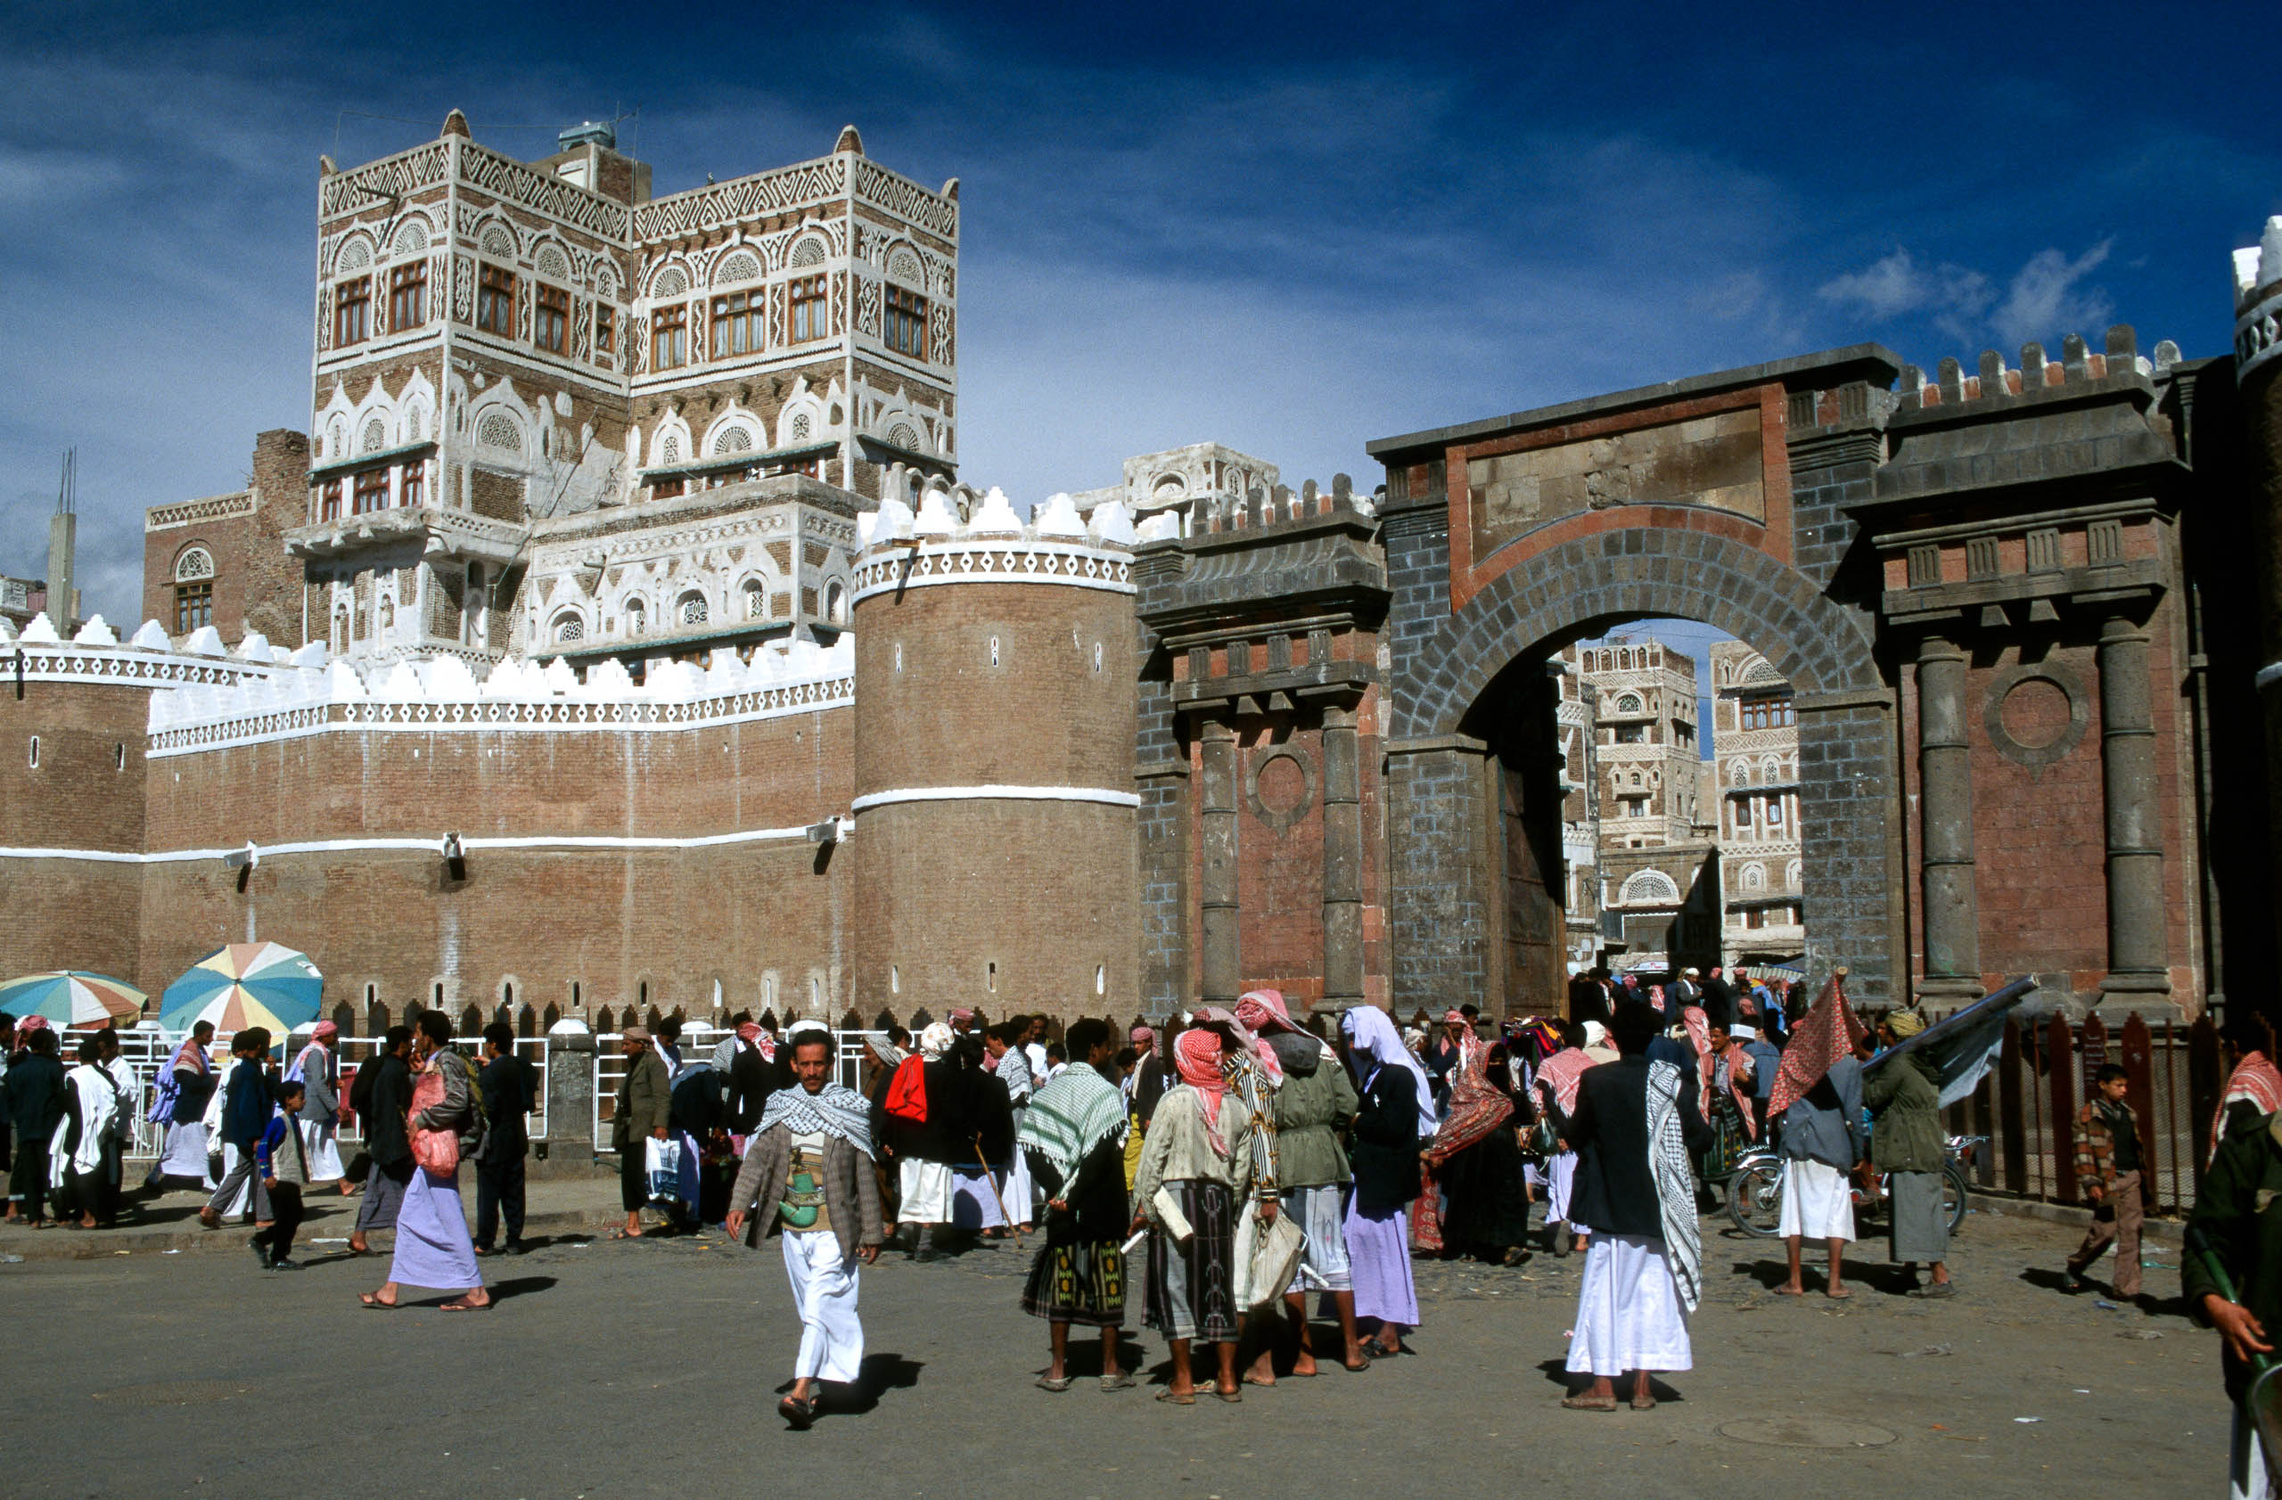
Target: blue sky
x=1292 y=229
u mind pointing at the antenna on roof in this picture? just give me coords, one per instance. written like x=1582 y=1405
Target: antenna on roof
x=67 y=494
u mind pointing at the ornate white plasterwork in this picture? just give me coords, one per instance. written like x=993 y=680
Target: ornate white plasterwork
x=990 y=561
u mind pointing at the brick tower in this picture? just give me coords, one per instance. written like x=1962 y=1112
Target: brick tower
x=994 y=802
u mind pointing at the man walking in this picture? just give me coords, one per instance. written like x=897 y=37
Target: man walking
x=245 y=1115
x=386 y=1084
x=315 y=1068
x=499 y=1165
x=809 y=1171
x=91 y=1111
x=2108 y=1164
x=128 y=1084
x=282 y=1159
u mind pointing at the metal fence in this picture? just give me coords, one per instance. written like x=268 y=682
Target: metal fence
x=697 y=1043
x=2028 y=1105
x=151 y=1050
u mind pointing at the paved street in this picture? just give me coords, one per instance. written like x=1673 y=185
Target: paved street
x=650 y=1369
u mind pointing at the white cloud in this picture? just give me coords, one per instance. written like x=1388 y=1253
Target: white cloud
x=1955 y=297
x=2046 y=297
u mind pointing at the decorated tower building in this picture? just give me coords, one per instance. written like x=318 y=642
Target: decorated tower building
x=994 y=804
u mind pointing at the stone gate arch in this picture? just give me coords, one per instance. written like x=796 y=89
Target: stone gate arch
x=1571 y=581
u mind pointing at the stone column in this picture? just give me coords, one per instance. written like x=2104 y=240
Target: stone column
x=1439 y=874
x=1342 y=861
x=1222 y=965
x=1945 y=787
x=2137 y=921
x=570 y=1093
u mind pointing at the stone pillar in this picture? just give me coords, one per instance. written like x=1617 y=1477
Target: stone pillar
x=1222 y=963
x=2137 y=921
x=1342 y=861
x=1945 y=785
x=1438 y=873
x=570 y=1092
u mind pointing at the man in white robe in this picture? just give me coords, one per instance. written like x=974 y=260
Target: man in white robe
x=76 y=1153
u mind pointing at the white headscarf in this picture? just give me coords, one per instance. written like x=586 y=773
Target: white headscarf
x=935 y=1041
x=1373 y=1036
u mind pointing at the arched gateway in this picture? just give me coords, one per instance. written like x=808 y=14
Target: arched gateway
x=1674 y=501
x=1975 y=587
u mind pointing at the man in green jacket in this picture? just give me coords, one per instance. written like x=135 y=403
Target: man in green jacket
x=645 y=1100
x=1312 y=1112
x=2236 y=1231
x=1904 y=1100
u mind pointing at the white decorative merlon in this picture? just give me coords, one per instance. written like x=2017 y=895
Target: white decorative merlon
x=2258 y=325
x=95 y=633
x=146 y=661
x=1101 y=795
x=41 y=632
x=902 y=551
x=150 y=637
x=440 y=693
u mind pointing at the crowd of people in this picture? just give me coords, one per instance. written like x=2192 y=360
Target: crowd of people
x=1215 y=1179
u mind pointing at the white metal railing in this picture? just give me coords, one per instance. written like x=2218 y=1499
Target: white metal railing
x=697 y=1044
x=151 y=1051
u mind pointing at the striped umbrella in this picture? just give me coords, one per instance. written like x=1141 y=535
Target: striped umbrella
x=245 y=984
x=73 y=997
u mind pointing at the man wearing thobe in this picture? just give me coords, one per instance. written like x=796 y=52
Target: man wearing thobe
x=129 y=1084
x=809 y=1172
x=386 y=1137
x=1007 y=1047
x=499 y=1165
x=77 y=1149
x=245 y=1115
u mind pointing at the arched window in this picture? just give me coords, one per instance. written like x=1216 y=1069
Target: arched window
x=1774 y=811
x=1648 y=886
x=1738 y=774
x=1628 y=704
x=756 y=599
x=1754 y=877
x=800 y=427
x=1791 y=875
x=836 y=603
x=636 y=617
x=692 y=609
x=499 y=429
x=570 y=627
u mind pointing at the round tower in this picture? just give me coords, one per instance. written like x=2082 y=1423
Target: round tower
x=994 y=806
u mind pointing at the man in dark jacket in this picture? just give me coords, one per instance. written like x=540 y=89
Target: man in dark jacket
x=507 y=1102
x=387 y=1138
x=644 y=1113
x=1719 y=999
x=36 y=1102
x=2232 y=1273
x=245 y=1117
x=1636 y=1130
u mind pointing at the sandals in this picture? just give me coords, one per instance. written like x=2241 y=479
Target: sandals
x=1233 y=1398
x=461 y=1304
x=801 y=1414
x=1053 y=1383
x=1643 y=1403
x=1177 y=1398
x=372 y=1300
x=1121 y=1381
x=1585 y=1402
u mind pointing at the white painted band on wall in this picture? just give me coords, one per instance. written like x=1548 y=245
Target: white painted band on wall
x=1099 y=795
x=604 y=842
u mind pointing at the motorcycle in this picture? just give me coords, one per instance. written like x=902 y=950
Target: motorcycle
x=1755 y=1192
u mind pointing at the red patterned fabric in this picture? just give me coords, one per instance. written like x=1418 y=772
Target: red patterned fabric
x=1829 y=1033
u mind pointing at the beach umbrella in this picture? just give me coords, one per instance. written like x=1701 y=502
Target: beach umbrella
x=245 y=984
x=73 y=997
